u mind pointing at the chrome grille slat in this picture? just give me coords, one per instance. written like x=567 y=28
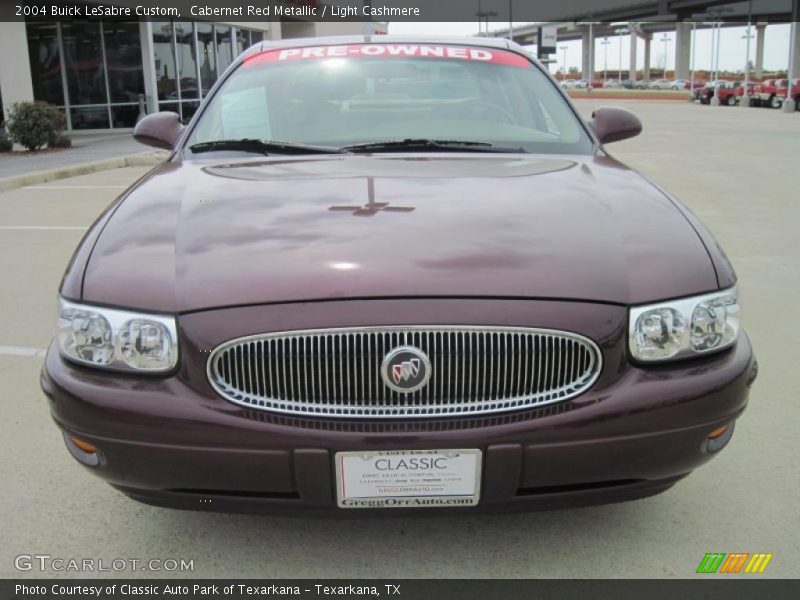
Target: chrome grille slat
x=336 y=372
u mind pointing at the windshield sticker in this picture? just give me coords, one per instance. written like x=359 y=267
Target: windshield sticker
x=390 y=50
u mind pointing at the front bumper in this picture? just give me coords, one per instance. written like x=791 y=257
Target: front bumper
x=170 y=441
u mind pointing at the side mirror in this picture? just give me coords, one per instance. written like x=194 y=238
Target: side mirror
x=161 y=130
x=612 y=124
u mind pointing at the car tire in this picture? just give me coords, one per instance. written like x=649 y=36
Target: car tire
x=731 y=101
x=775 y=102
x=797 y=103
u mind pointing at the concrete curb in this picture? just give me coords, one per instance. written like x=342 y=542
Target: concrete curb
x=142 y=159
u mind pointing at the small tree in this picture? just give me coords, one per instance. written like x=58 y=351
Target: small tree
x=34 y=124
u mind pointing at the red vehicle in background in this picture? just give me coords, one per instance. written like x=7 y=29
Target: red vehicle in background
x=731 y=94
x=767 y=92
x=728 y=92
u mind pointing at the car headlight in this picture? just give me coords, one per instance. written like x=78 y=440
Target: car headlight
x=684 y=327
x=117 y=339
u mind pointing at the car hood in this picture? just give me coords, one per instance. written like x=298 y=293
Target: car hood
x=229 y=231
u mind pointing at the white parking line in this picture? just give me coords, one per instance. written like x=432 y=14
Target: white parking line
x=75 y=187
x=44 y=227
x=22 y=351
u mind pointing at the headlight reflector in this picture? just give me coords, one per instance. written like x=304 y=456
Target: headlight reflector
x=684 y=327
x=85 y=335
x=660 y=333
x=145 y=344
x=715 y=323
x=117 y=339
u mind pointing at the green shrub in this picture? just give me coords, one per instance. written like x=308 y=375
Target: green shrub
x=34 y=124
x=5 y=144
x=62 y=141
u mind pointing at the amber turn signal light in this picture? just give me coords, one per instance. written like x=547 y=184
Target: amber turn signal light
x=85 y=446
x=718 y=432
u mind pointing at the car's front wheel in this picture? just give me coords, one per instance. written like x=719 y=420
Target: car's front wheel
x=731 y=101
x=775 y=102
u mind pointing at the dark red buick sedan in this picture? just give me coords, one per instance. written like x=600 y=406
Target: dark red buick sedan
x=395 y=274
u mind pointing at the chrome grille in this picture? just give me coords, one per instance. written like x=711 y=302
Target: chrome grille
x=336 y=372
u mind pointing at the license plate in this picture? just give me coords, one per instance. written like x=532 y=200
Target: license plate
x=408 y=478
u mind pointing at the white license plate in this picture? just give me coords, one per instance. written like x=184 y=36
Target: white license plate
x=408 y=478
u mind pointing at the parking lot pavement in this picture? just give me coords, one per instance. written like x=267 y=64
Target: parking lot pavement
x=736 y=168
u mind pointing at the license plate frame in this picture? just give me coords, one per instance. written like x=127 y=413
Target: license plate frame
x=437 y=478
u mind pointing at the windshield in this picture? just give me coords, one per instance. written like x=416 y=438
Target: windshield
x=356 y=94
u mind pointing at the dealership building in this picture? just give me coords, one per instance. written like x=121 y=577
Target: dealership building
x=104 y=74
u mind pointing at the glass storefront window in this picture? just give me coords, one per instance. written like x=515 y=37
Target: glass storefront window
x=242 y=39
x=124 y=115
x=170 y=107
x=83 y=56
x=93 y=70
x=45 y=61
x=187 y=60
x=124 y=61
x=164 y=52
x=188 y=110
x=208 y=56
x=224 y=48
x=89 y=117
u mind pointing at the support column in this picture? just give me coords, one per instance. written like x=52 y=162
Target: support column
x=274 y=31
x=586 y=53
x=632 y=68
x=15 y=76
x=683 y=50
x=647 y=40
x=760 y=30
x=791 y=71
x=149 y=66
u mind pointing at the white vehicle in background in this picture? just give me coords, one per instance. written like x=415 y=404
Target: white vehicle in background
x=660 y=84
x=568 y=84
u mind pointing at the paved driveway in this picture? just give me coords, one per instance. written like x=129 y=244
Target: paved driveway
x=737 y=168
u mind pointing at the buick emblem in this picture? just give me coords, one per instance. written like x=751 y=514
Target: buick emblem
x=405 y=369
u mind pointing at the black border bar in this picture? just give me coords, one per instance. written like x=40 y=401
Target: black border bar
x=497 y=12
x=709 y=587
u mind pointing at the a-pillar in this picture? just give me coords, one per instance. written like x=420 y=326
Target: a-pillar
x=683 y=50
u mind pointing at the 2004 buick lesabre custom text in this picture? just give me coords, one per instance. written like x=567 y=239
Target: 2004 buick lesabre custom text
x=395 y=275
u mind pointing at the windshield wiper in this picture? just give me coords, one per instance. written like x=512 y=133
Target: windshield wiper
x=261 y=147
x=428 y=145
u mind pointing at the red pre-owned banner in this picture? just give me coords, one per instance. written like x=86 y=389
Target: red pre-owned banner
x=391 y=50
